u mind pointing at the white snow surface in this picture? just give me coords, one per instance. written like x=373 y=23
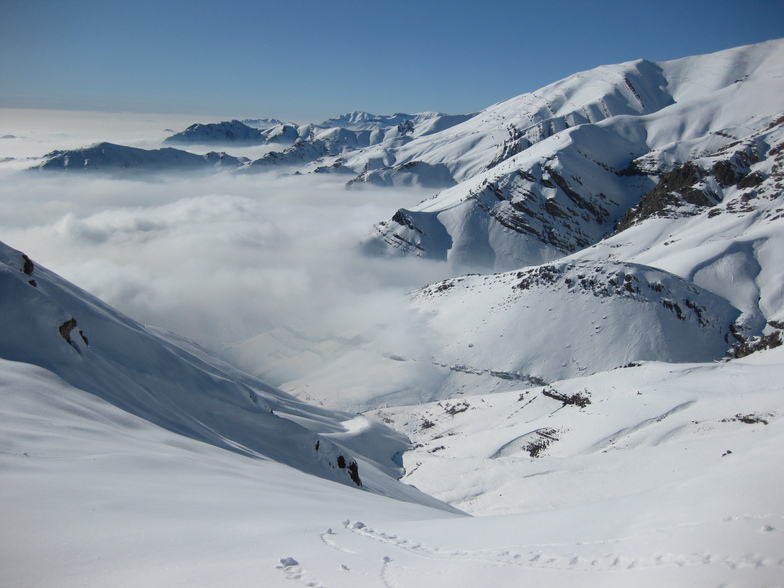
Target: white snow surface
x=574 y=420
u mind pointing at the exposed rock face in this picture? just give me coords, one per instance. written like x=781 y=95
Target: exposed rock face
x=28 y=265
x=352 y=468
x=66 y=328
x=353 y=472
x=675 y=188
x=689 y=189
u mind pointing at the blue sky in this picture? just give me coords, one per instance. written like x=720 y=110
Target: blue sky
x=307 y=60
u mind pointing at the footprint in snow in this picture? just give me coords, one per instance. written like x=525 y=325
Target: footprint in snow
x=326 y=538
x=293 y=571
x=572 y=561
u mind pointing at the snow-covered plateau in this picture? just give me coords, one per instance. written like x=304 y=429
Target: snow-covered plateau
x=564 y=368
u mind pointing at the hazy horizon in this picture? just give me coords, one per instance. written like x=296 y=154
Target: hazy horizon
x=307 y=61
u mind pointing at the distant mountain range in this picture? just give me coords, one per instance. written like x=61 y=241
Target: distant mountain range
x=114 y=159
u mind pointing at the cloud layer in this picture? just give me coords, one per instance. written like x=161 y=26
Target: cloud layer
x=219 y=259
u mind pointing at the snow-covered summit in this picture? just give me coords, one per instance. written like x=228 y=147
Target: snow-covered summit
x=359 y=120
x=228 y=132
x=551 y=172
x=262 y=123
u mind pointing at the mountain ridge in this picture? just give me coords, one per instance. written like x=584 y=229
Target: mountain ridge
x=591 y=174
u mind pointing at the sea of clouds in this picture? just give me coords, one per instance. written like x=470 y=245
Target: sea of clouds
x=219 y=259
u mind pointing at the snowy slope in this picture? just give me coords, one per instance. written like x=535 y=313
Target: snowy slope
x=639 y=419
x=560 y=320
x=648 y=475
x=50 y=323
x=92 y=495
x=509 y=127
x=96 y=496
x=732 y=248
x=581 y=152
x=700 y=213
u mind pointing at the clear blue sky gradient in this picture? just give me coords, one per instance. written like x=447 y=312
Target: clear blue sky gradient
x=307 y=60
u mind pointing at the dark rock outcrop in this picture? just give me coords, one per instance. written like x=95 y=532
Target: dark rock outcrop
x=66 y=328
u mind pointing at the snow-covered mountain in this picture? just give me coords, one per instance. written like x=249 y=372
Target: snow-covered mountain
x=614 y=391
x=231 y=132
x=511 y=325
x=424 y=121
x=552 y=172
x=336 y=144
x=670 y=205
x=121 y=159
x=346 y=144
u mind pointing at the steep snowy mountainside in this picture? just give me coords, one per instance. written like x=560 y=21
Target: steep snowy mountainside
x=533 y=208
x=718 y=222
x=560 y=320
x=509 y=127
x=541 y=200
x=98 y=496
x=120 y=159
x=50 y=323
